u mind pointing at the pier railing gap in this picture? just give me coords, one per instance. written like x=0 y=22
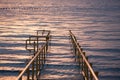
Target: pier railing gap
x=86 y=67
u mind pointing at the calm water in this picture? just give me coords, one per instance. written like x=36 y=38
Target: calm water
x=96 y=23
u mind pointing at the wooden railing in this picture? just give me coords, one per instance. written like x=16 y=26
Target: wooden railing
x=87 y=70
x=32 y=44
x=34 y=66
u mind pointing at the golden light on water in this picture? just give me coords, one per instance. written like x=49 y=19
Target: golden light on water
x=95 y=24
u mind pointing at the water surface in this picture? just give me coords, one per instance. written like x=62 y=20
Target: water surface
x=96 y=24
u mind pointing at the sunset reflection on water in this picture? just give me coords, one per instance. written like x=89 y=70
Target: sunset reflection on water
x=95 y=24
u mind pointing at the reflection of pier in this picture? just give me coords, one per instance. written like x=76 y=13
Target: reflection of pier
x=64 y=60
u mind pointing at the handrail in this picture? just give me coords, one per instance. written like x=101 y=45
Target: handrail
x=43 y=32
x=33 y=40
x=32 y=61
x=34 y=66
x=92 y=73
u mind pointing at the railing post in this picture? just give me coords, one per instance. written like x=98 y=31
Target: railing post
x=84 y=67
x=34 y=48
x=96 y=73
x=36 y=66
x=86 y=70
x=21 y=76
x=33 y=70
x=44 y=55
x=79 y=54
x=39 y=62
x=28 y=74
x=37 y=43
x=83 y=62
x=91 y=77
x=75 y=49
x=47 y=38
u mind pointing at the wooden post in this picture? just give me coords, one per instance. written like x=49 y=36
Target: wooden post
x=26 y=45
x=44 y=55
x=87 y=76
x=96 y=73
x=91 y=77
x=33 y=70
x=36 y=66
x=28 y=74
x=21 y=76
x=37 y=44
x=47 y=38
x=38 y=62
x=83 y=62
x=34 y=48
x=42 y=58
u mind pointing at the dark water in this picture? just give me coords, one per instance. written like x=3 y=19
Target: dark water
x=96 y=23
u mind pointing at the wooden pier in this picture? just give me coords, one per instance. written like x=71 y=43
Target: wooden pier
x=56 y=58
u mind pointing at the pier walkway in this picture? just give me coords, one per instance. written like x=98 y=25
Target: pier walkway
x=56 y=58
x=60 y=62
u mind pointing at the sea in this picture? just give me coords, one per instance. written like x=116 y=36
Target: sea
x=95 y=23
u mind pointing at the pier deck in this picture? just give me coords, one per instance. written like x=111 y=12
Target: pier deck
x=56 y=58
x=60 y=62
